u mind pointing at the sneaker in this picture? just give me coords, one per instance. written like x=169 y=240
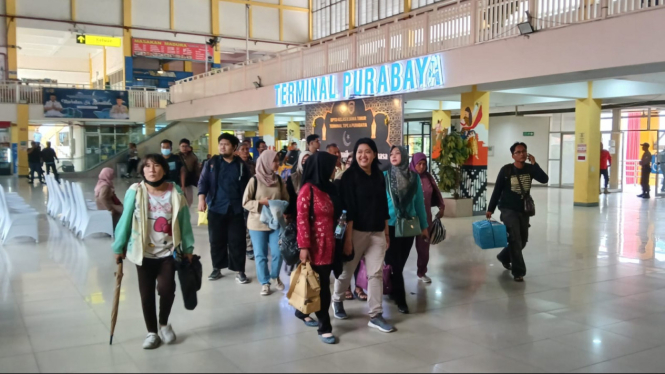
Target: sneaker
x=328 y=340
x=642 y=195
x=646 y=196
x=380 y=324
x=152 y=341
x=403 y=308
x=338 y=309
x=506 y=265
x=166 y=334
x=241 y=278
x=607 y=192
x=265 y=290
x=278 y=284
x=250 y=255
x=425 y=279
x=215 y=275
x=519 y=279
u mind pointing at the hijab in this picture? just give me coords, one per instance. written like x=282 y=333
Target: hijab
x=426 y=174
x=403 y=182
x=297 y=177
x=264 y=171
x=318 y=171
x=105 y=180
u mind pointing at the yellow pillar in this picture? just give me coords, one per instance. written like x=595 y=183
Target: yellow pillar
x=352 y=14
x=128 y=66
x=214 y=131
x=12 y=52
x=587 y=147
x=72 y=8
x=188 y=66
x=250 y=134
x=106 y=76
x=475 y=122
x=21 y=136
x=267 y=129
x=150 y=120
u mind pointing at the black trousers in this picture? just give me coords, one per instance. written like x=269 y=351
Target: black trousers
x=646 y=175
x=605 y=174
x=396 y=256
x=132 y=166
x=517 y=224
x=51 y=166
x=161 y=271
x=36 y=167
x=228 y=247
x=324 y=314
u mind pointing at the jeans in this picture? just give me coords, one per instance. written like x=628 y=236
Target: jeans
x=605 y=173
x=162 y=272
x=36 y=167
x=51 y=165
x=324 y=314
x=371 y=246
x=227 y=241
x=517 y=224
x=261 y=240
x=396 y=256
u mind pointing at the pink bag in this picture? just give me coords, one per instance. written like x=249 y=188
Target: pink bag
x=362 y=279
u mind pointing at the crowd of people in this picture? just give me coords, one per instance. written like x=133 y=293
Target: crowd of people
x=248 y=201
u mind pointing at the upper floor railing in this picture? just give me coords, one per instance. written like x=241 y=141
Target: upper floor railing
x=12 y=92
x=442 y=26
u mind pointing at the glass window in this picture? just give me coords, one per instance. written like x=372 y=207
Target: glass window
x=555 y=124
x=329 y=17
x=568 y=160
x=553 y=171
x=555 y=146
x=568 y=122
x=368 y=11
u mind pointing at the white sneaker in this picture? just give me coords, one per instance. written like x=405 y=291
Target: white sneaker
x=265 y=290
x=166 y=334
x=425 y=279
x=278 y=284
x=152 y=341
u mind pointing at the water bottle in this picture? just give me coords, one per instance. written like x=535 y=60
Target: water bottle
x=341 y=226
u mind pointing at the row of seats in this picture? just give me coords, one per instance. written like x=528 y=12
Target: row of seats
x=67 y=204
x=17 y=218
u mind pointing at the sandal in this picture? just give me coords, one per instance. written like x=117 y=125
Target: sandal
x=362 y=296
x=348 y=295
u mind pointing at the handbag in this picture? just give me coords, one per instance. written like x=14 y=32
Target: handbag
x=288 y=238
x=437 y=233
x=362 y=280
x=405 y=227
x=305 y=290
x=529 y=204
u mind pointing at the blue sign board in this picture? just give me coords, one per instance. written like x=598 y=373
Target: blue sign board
x=78 y=103
x=416 y=74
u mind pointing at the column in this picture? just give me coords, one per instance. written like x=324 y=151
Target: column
x=20 y=136
x=150 y=121
x=12 y=51
x=474 y=126
x=127 y=41
x=267 y=129
x=214 y=131
x=587 y=144
x=615 y=148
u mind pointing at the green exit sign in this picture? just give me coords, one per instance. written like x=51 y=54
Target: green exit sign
x=528 y=134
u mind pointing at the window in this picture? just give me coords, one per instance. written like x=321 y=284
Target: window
x=415 y=4
x=329 y=17
x=368 y=11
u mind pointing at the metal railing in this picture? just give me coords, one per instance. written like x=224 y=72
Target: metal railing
x=19 y=93
x=436 y=28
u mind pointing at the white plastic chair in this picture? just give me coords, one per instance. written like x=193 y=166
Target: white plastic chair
x=17 y=222
x=72 y=219
x=90 y=221
x=53 y=203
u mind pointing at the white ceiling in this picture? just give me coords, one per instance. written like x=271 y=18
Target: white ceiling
x=52 y=43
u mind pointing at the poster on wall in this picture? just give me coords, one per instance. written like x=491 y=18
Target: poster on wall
x=344 y=122
x=170 y=50
x=77 y=103
x=474 y=128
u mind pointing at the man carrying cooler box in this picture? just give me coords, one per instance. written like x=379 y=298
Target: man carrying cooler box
x=512 y=189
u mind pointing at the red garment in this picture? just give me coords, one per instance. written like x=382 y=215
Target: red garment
x=605 y=159
x=322 y=245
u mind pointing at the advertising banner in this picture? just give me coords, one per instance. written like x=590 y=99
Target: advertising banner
x=77 y=103
x=344 y=122
x=169 y=50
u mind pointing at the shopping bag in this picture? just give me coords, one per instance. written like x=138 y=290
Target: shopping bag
x=305 y=290
x=362 y=279
x=437 y=233
x=288 y=244
x=203 y=218
x=490 y=234
x=387 y=279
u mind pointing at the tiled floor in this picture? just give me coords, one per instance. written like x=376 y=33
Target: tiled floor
x=593 y=301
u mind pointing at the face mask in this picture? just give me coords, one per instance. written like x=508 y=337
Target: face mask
x=155 y=184
x=166 y=152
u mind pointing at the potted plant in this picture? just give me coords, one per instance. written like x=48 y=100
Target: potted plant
x=450 y=154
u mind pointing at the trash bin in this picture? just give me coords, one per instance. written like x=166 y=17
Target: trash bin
x=121 y=169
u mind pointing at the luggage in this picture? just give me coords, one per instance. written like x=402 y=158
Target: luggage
x=362 y=279
x=305 y=291
x=490 y=234
x=437 y=233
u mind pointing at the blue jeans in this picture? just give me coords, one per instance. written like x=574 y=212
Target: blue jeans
x=261 y=240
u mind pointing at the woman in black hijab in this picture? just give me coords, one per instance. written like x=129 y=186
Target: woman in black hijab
x=316 y=232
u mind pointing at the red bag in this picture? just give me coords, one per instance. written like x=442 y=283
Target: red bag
x=362 y=279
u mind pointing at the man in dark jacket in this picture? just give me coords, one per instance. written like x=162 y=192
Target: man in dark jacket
x=221 y=188
x=35 y=163
x=49 y=157
x=513 y=185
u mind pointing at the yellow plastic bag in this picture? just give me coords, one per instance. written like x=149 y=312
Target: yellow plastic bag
x=203 y=218
x=305 y=290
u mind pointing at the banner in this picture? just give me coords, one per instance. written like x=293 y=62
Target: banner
x=169 y=50
x=76 y=103
x=344 y=122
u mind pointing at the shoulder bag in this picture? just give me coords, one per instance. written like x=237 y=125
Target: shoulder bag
x=529 y=204
x=405 y=227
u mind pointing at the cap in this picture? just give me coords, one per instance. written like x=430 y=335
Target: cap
x=647 y=144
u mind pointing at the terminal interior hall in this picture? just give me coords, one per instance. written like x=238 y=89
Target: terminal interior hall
x=541 y=123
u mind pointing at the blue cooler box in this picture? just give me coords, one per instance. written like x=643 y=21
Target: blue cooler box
x=490 y=234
